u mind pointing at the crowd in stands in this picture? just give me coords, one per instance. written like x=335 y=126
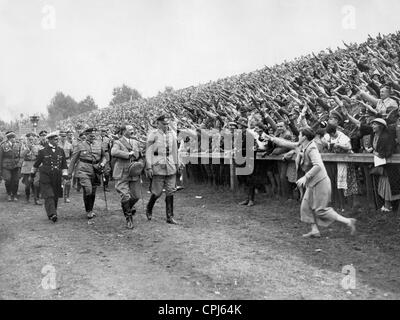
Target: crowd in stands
x=348 y=96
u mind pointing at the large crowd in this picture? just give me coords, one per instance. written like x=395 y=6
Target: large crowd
x=339 y=93
x=349 y=97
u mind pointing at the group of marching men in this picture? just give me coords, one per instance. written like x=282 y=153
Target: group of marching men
x=50 y=163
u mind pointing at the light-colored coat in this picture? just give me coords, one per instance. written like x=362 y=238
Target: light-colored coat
x=309 y=159
x=121 y=153
x=162 y=163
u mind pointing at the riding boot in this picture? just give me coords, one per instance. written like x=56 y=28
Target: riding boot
x=127 y=213
x=67 y=192
x=132 y=202
x=27 y=194
x=169 y=201
x=36 y=192
x=92 y=199
x=150 y=205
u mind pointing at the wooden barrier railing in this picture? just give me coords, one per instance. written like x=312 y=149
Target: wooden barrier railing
x=363 y=159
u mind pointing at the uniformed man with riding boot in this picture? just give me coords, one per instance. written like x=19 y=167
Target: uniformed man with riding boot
x=162 y=164
x=89 y=158
x=10 y=164
x=30 y=152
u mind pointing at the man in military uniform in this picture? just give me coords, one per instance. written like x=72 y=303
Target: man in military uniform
x=75 y=181
x=30 y=152
x=52 y=166
x=126 y=150
x=10 y=164
x=42 y=138
x=106 y=141
x=162 y=166
x=89 y=158
x=67 y=147
x=70 y=137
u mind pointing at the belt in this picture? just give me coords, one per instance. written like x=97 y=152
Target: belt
x=89 y=161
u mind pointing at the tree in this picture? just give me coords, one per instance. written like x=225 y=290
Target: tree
x=87 y=105
x=61 y=107
x=124 y=94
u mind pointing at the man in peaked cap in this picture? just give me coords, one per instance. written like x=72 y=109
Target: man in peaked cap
x=52 y=165
x=89 y=159
x=10 y=164
x=162 y=164
x=42 y=137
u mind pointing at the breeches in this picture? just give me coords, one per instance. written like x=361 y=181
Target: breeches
x=128 y=189
x=159 y=183
x=11 y=180
x=89 y=185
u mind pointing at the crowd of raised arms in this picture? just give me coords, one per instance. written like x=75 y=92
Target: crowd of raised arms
x=348 y=96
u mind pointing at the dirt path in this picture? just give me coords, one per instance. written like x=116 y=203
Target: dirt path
x=220 y=251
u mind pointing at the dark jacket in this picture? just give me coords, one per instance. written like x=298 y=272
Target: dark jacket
x=51 y=166
x=385 y=148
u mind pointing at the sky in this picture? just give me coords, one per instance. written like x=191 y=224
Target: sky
x=88 y=47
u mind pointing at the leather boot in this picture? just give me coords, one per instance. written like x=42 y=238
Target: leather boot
x=169 y=201
x=150 y=205
x=36 y=196
x=125 y=205
x=132 y=202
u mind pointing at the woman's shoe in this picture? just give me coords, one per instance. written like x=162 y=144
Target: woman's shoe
x=250 y=204
x=312 y=234
x=244 y=203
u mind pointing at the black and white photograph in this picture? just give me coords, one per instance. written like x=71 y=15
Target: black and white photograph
x=199 y=150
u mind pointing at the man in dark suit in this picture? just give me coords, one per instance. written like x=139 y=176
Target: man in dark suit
x=52 y=165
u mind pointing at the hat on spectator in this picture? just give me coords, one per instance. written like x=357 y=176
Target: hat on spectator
x=10 y=134
x=30 y=134
x=233 y=124
x=63 y=133
x=82 y=134
x=242 y=122
x=52 y=135
x=380 y=121
x=89 y=131
x=43 y=133
x=335 y=114
x=163 y=118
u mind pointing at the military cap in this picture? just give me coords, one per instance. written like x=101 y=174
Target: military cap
x=43 y=132
x=10 y=134
x=163 y=118
x=52 y=135
x=89 y=131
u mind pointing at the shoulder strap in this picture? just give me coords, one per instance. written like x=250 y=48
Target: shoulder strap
x=125 y=144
